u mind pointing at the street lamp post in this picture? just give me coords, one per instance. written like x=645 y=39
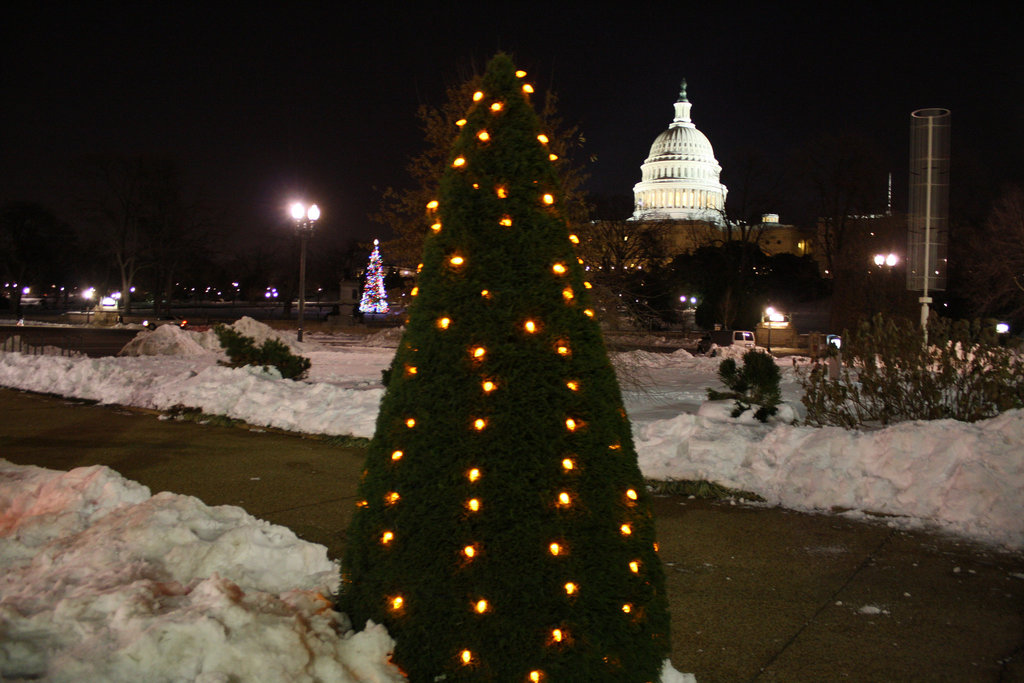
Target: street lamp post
x=304 y=219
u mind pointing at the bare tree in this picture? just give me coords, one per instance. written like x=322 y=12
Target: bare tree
x=994 y=271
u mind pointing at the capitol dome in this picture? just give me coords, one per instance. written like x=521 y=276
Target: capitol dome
x=680 y=178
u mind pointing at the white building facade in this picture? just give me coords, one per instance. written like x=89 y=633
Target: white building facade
x=680 y=178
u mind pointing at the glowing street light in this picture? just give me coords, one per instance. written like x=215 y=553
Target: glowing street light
x=886 y=260
x=304 y=218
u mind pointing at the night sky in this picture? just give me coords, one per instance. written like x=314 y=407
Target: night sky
x=263 y=105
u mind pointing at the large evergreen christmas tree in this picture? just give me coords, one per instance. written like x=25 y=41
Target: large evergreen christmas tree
x=375 y=297
x=504 y=532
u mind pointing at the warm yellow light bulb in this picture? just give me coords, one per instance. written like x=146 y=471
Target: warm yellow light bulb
x=535 y=676
x=432 y=205
x=554 y=548
x=570 y=588
x=574 y=239
x=473 y=474
x=626 y=529
x=473 y=504
x=460 y=123
x=387 y=537
x=627 y=608
x=410 y=423
x=634 y=566
x=568 y=294
x=436 y=227
x=631 y=494
x=456 y=260
x=488 y=386
x=496 y=106
x=479 y=352
x=459 y=161
x=559 y=268
x=552 y=157
x=570 y=424
x=543 y=139
x=615 y=447
x=485 y=293
x=562 y=350
x=481 y=606
x=520 y=73
x=397 y=455
x=548 y=199
x=415 y=291
x=469 y=551
x=588 y=285
x=527 y=88
x=419 y=267
x=573 y=385
x=397 y=602
x=588 y=312
x=568 y=464
x=483 y=136
x=506 y=221
x=501 y=192
x=361 y=503
x=444 y=323
x=656 y=548
x=563 y=498
x=556 y=635
x=477 y=96
x=479 y=424
x=530 y=326
x=392 y=498
x=466 y=656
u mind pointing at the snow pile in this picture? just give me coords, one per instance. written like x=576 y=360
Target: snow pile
x=165 y=340
x=388 y=338
x=963 y=477
x=967 y=477
x=171 y=340
x=100 y=581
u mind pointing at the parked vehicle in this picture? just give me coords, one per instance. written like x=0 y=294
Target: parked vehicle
x=741 y=338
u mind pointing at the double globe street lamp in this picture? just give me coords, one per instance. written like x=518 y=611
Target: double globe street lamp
x=305 y=218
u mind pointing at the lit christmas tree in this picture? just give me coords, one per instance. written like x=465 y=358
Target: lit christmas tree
x=375 y=297
x=503 y=531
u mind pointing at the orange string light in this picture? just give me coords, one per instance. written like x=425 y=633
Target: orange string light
x=473 y=504
x=459 y=161
x=479 y=424
x=397 y=602
x=444 y=323
x=397 y=455
x=410 y=423
x=568 y=464
x=559 y=268
x=548 y=199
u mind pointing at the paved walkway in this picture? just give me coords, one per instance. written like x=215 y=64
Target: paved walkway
x=757 y=594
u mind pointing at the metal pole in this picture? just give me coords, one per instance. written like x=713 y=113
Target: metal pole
x=304 y=235
x=925 y=299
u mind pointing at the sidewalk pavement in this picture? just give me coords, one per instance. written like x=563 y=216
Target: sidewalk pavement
x=756 y=593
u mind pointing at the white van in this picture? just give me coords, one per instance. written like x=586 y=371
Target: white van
x=741 y=338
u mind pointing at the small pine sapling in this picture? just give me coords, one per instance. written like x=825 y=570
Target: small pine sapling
x=757 y=383
x=242 y=350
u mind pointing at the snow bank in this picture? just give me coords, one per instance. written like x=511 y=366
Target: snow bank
x=963 y=477
x=171 y=340
x=101 y=581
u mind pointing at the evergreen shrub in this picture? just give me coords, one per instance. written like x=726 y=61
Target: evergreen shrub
x=888 y=373
x=503 y=529
x=757 y=383
x=242 y=350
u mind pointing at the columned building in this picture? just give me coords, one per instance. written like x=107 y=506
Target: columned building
x=680 y=178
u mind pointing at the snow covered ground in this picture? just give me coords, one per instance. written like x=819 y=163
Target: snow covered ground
x=185 y=576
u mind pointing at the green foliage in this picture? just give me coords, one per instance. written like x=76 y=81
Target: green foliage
x=757 y=383
x=887 y=373
x=430 y=458
x=242 y=350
